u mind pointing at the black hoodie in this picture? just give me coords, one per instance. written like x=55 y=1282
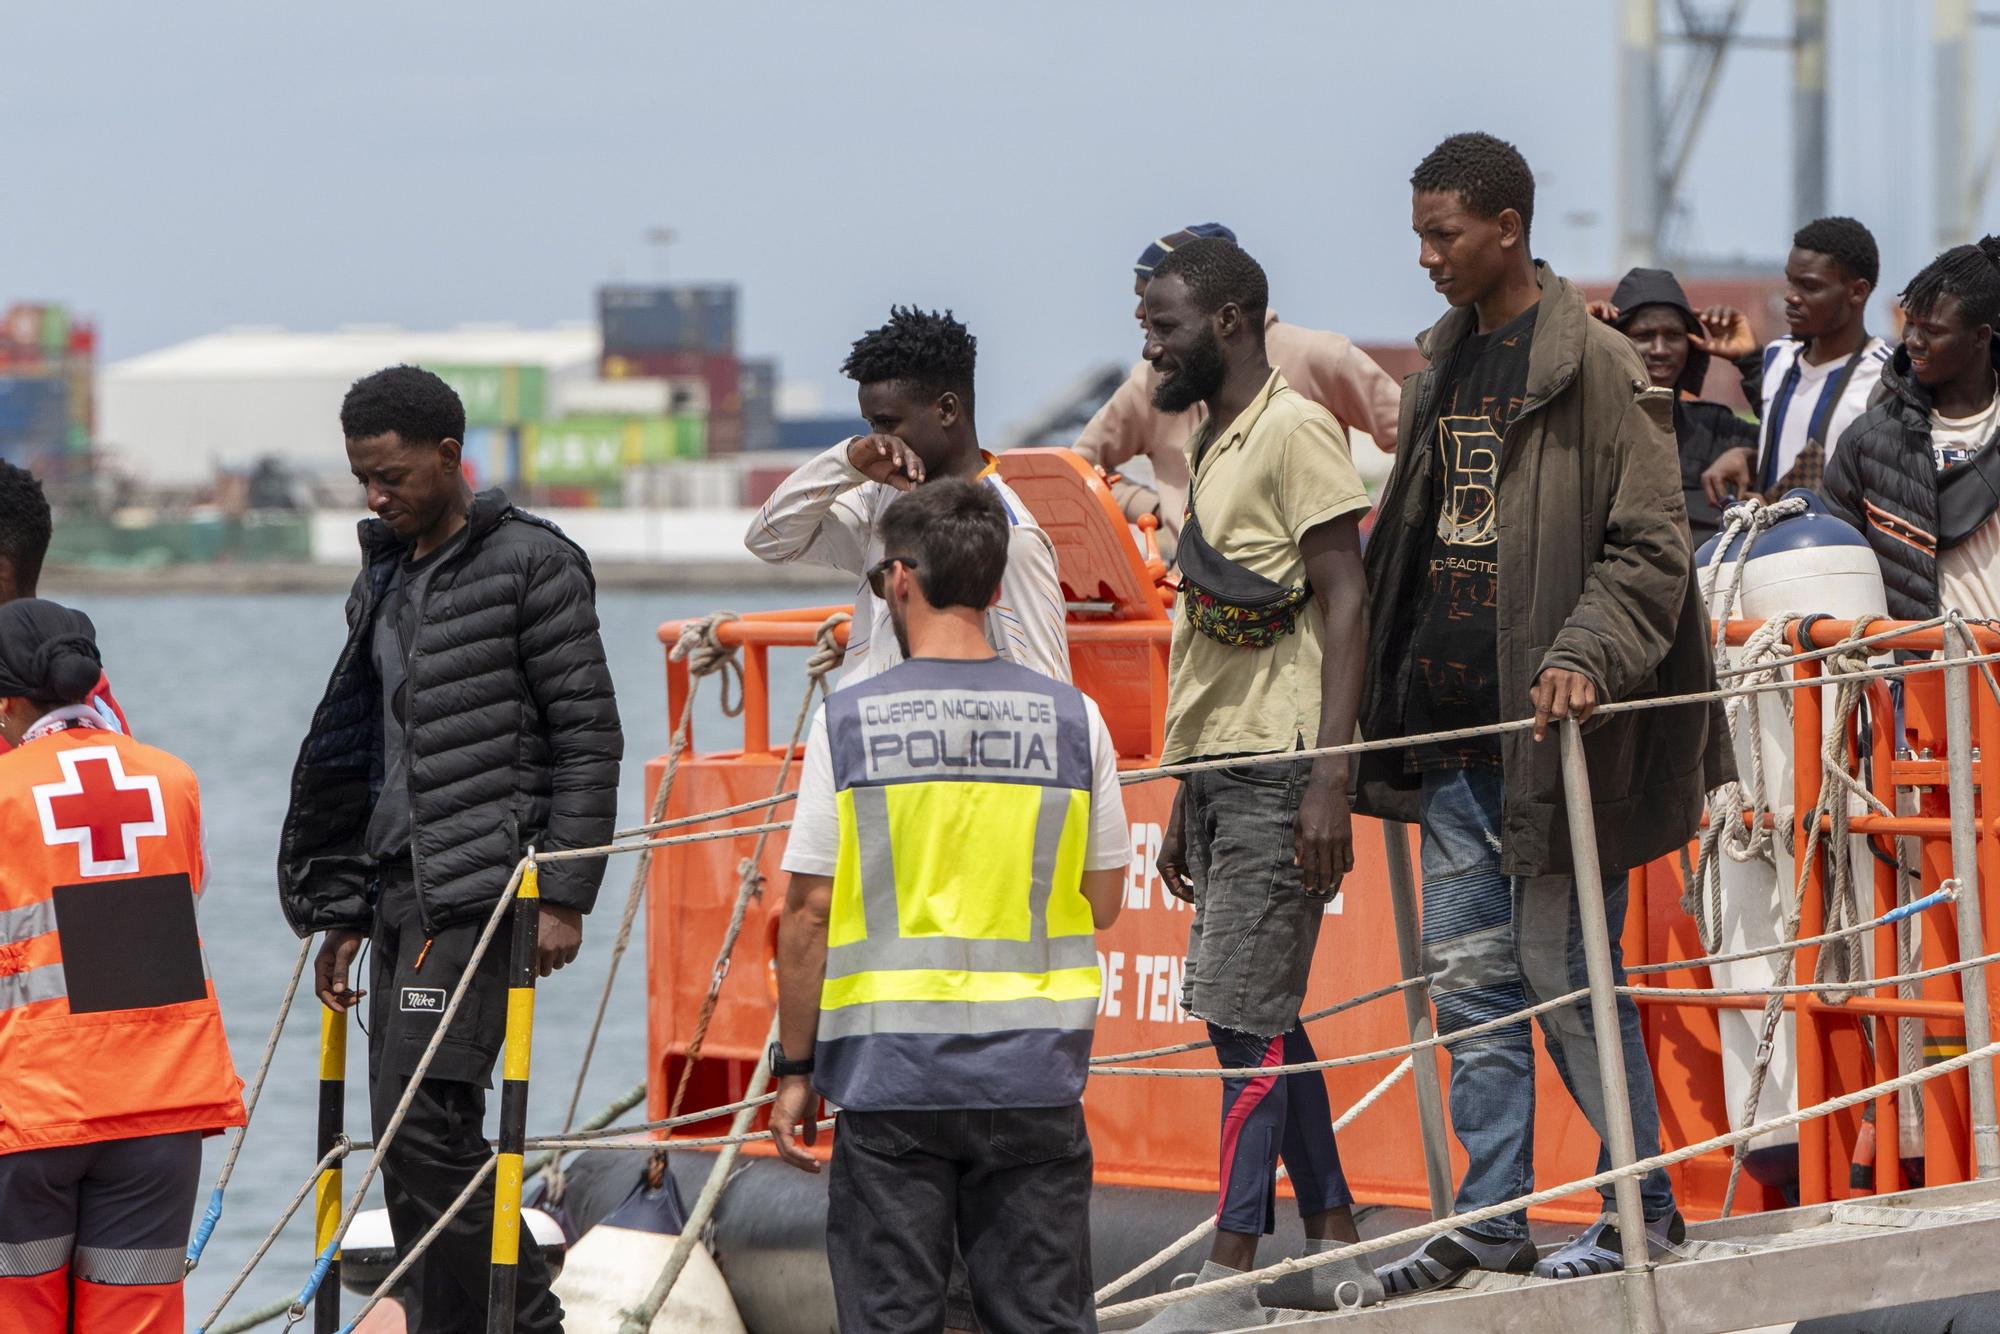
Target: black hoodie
x=1703 y=430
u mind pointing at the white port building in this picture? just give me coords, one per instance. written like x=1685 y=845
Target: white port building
x=227 y=399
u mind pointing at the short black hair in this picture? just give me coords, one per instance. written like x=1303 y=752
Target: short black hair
x=408 y=400
x=1489 y=174
x=1969 y=272
x=25 y=526
x=931 y=353
x=956 y=531
x=1845 y=242
x=1219 y=273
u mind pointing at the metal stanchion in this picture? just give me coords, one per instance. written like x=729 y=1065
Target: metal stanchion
x=1965 y=868
x=332 y=1124
x=1642 y=1310
x=505 y=1273
x=1417 y=1012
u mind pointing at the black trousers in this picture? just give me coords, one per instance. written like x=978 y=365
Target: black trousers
x=442 y=1143
x=92 y=1236
x=1011 y=1189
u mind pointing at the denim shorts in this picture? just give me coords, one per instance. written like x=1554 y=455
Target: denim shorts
x=1250 y=949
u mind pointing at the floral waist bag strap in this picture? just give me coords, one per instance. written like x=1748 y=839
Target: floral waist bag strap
x=1228 y=603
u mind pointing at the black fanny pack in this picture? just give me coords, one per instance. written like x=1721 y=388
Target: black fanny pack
x=1968 y=495
x=1228 y=603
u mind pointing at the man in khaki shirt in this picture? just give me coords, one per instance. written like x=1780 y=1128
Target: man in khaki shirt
x=1266 y=657
x=1324 y=367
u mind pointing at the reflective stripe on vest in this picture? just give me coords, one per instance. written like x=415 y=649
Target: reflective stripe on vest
x=963 y=793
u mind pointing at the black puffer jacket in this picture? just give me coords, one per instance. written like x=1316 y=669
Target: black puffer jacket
x=1883 y=479
x=513 y=736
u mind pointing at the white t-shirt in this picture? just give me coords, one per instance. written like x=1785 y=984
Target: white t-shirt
x=1790 y=405
x=814 y=845
x=1969 y=573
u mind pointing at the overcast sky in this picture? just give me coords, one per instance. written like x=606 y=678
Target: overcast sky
x=175 y=169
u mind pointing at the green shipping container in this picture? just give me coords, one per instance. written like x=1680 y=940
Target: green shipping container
x=55 y=332
x=665 y=439
x=578 y=451
x=497 y=395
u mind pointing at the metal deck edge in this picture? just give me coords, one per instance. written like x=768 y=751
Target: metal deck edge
x=1797 y=1281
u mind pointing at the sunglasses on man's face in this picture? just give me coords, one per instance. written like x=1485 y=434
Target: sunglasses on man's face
x=878 y=573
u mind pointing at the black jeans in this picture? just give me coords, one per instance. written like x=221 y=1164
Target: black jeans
x=442 y=1143
x=1010 y=1187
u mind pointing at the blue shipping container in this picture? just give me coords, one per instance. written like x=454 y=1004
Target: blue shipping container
x=34 y=410
x=640 y=319
x=489 y=455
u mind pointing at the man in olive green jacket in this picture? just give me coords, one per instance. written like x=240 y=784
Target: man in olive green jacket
x=1530 y=556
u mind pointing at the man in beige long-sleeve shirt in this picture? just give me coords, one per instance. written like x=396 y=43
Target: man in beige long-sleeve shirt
x=1325 y=367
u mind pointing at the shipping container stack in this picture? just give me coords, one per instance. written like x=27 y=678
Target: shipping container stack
x=47 y=389
x=678 y=333
x=663 y=423
x=501 y=402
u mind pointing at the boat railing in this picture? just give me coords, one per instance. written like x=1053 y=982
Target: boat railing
x=1939 y=664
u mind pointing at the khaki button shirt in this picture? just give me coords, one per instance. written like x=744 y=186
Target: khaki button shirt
x=1275 y=473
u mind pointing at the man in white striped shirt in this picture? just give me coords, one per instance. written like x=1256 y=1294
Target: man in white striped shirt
x=1809 y=387
x=915 y=378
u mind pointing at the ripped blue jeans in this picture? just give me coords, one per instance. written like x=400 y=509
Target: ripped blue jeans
x=1495 y=944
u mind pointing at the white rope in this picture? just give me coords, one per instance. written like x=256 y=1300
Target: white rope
x=341 y=1148
x=1130 y=777
x=1207 y=1225
x=213 y=1215
x=1828 y=817
x=1522 y=1016
x=1313 y=1016
x=706 y=655
x=1424 y=1231
x=653 y=1145
x=416 y=1252
x=395 y=1121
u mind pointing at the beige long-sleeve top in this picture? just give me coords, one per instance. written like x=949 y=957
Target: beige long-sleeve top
x=827 y=512
x=1325 y=367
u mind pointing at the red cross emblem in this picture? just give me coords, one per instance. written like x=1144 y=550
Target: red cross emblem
x=100 y=809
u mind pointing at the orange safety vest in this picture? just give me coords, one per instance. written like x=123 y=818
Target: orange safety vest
x=108 y=1023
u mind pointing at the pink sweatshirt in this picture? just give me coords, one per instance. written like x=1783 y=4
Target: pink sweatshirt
x=1325 y=367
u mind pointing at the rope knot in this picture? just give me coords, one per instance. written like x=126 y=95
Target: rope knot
x=706 y=655
x=830 y=653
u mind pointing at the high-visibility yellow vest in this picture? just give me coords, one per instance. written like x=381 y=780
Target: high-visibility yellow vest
x=961 y=966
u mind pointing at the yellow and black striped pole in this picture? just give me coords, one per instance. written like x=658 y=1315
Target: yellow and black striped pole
x=514 y=1104
x=332 y=1123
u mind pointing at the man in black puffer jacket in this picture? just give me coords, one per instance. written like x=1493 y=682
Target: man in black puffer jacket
x=1919 y=472
x=469 y=717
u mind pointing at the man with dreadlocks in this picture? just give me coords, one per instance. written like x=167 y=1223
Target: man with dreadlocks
x=1919 y=473
x=915 y=378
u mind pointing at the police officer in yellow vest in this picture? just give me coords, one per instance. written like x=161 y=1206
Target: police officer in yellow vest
x=957 y=841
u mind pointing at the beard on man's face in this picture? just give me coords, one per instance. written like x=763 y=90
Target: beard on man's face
x=1196 y=376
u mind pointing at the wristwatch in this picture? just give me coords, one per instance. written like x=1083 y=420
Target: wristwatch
x=782 y=1068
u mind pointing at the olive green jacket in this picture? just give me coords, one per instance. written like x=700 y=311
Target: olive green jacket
x=1595 y=577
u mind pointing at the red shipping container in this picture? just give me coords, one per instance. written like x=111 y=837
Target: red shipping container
x=759 y=483
x=719 y=371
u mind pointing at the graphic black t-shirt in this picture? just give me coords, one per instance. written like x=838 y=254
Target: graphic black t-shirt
x=1455 y=668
